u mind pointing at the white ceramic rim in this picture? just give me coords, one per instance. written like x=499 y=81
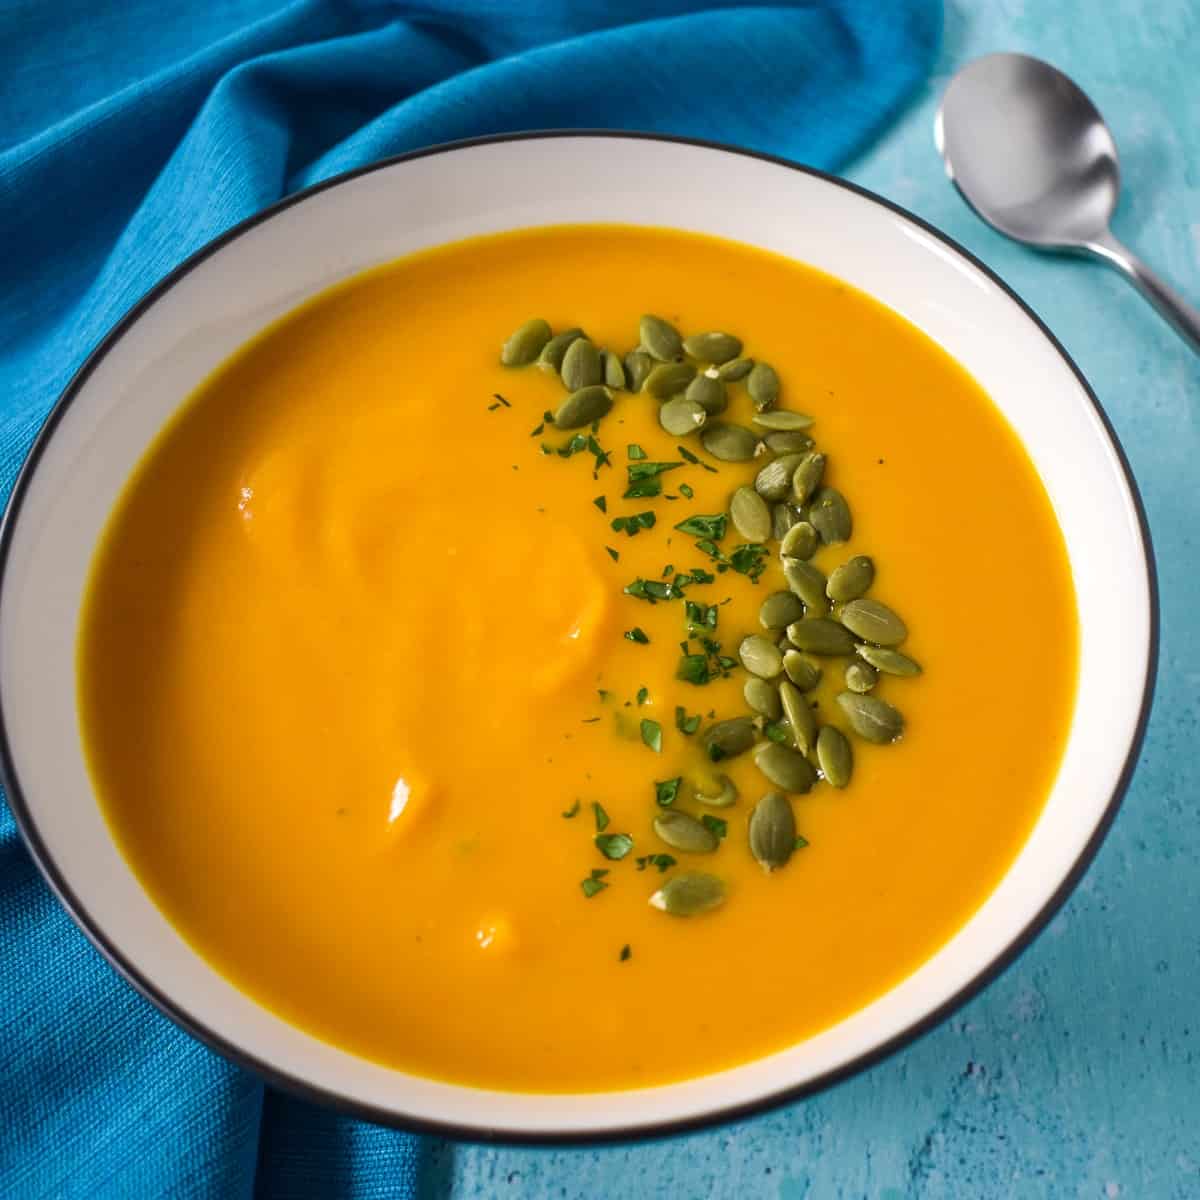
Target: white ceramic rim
x=237 y=1027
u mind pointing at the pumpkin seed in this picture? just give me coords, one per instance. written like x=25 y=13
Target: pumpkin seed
x=808 y=583
x=800 y=542
x=871 y=718
x=890 y=662
x=731 y=372
x=784 y=442
x=583 y=407
x=750 y=515
x=803 y=672
x=525 y=343
x=729 y=443
x=860 y=677
x=779 y=610
x=713 y=347
x=820 y=635
x=830 y=516
x=614 y=373
x=665 y=379
x=760 y=657
x=719 y=791
x=684 y=832
x=785 y=768
x=728 y=739
x=782 y=419
x=689 y=894
x=873 y=622
x=772 y=831
x=834 y=756
x=762 y=697
x=774 y=481
x=660 y=338
x=852 y=579
x=638 y=364
x=581 y=365
x=763 y=386
x=551 y=357
x=709 y=393
x=807 y=476
x=681 y=416
x=783 y=518
x=798 y=715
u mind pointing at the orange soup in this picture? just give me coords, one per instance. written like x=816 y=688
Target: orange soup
x=398 y=702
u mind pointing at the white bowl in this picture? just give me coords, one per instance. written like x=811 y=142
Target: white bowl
x=225 y=294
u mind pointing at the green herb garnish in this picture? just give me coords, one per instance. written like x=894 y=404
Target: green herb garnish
x=614 y=845
x=714 y=825
x=615 y=555
x=664 y=862
x=712 y=526
x=601 y=504
x=600 y=815
x=685 y=490
x=749 y=560
x=643 y=694
x=572 y=811
x=776 y=731
x=626 y=954
x=594 y=882
x=801 y=842
x=635 y=451
x=666 y=791
x=633 y=525
x=693 y=668
x=637 y=634
x=699 y=617
x=685 y=724
x=652 y=735
x=685 y=453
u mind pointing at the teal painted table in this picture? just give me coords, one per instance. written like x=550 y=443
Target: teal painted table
x=1076 y=1074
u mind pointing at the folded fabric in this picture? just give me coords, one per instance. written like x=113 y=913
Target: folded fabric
x=131 y=133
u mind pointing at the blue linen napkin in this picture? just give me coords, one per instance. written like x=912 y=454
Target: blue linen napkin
x=131 y=133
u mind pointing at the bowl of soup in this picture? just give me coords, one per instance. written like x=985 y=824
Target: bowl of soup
x=571 y=636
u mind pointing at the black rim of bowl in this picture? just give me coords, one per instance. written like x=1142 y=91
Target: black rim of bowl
x=719 y=1115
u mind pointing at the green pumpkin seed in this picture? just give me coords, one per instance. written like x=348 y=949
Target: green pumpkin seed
x=583 y=407
x=798 y=715
x=683 y=832
x=713 y=347
x=772 y=831
x=718 y=791
x=525 y=344
x=787 y=443
x=782 y=419
x=830 y=516
x=689 y=894
x=890 y=662
x=820 y=635
x=783 y=518
x=763 y=386
x=728 y=739
x=750 y=515
x=807 y=476
x=860 y=677
x=660 y=338
x=729 y=443
x=760 y=657
x=834 y=756
x=614 y=373
x=785 y=768
x=681 y=416
x=731 y=372
x=666 y=379
x=762 y=698
x=873 y=622
x=581 y=365
x=808 y=583
x=852 y=579
x=709 y=393
x=800 y=542
x=871 y=718
x=774 y=481
x=779 y=610
x=803 y=672
x=638 y=364
x=551 y=357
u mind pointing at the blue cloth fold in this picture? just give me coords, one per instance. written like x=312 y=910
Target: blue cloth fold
x=132 y=132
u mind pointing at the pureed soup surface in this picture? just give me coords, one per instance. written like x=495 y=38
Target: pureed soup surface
x=342 y=660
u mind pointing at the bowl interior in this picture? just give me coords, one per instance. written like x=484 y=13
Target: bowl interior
x=232 y=290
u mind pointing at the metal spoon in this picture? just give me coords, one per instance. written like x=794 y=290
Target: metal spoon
x=1030 y=154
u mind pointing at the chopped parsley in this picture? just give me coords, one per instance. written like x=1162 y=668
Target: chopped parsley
x=594 y=882
x=572 y=811
x=615 y=555
x=614 y=845
x=749 y=560
x=714 y=825
x=626 y=954
x=634 y=524
x=644 y=478
x=699 y=618
x=801 y=842
x=637 y=634
x=693 y=668
x=777 y=731
x=664 y=862
x=601 y=504
x=686 y=490
x=712 y=526
x=643 y=694
x=688 y=456
x=600 y=815
x=635 y=451
x=666 y=791
x=502 y=400
x=685 y=724
x=652 y=734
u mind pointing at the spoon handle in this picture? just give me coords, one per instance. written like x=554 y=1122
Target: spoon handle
x=1184 y=316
